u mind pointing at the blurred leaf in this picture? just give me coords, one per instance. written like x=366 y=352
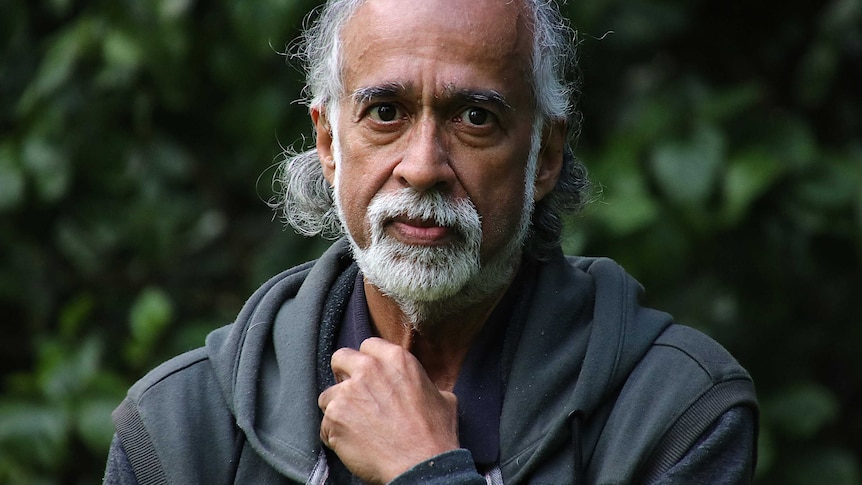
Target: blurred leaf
x=48 y=166
x=171 y=10
x=79 y=247
x=32 y=433
x=687 y=170
x=59 y=63
x=95 y=426
x=66 y=372
x=817 y=71
x=121 y=50
x=168 y=160
x=790 y=140
x=123 y=55
x=626 y=206
x=823 y=198
x=647 y=119
x=574 y=240
x=60 y=6
x=647 y=22
x=829 y=465
x=730 y=103
x=749 y=175
x=151 y=313
x=766 y=450
x=192 y=334
x=841 y=17
x=801 y=411
x=833 y=186
x=11 y=178
x=208 y=227
x=261 y=24
x=74 y=315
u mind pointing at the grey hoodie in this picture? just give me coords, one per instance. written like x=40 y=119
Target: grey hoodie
x=599 y=389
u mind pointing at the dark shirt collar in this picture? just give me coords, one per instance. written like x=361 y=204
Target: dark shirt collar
x=356 y=324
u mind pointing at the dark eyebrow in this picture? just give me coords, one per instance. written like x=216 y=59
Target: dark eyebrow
x=369 y=93
x=390 y=90
x=481 y=96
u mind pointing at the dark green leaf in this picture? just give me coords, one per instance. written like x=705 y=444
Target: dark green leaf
x=687 y=170
x=802 y=410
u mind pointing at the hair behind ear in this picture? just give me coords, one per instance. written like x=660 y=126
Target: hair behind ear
x=569 y=195
x=323 y=140
x=549 y=164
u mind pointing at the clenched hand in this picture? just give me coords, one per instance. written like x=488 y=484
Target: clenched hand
x=385 y=415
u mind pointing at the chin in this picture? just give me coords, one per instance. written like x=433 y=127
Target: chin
x=429 y=307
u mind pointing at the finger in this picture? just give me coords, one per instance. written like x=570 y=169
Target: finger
x=378 y=347
x=450 y=398
x=392 y=355
x=325 y=398
x=325 y=433
x=326 y=425
x=343 y=363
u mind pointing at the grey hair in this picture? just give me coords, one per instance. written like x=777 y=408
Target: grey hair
x=305 y=199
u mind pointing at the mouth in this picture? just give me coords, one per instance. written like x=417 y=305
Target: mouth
x=419 y=232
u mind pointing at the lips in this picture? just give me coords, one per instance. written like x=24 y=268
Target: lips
x=419 y=231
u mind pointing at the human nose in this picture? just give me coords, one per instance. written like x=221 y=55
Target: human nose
x=425 y=164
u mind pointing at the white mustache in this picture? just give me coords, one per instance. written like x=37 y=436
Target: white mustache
x=458 y=214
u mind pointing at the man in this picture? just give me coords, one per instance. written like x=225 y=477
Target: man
x=445 y=339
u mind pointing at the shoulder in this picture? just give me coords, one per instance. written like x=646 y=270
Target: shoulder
x=705 y=357
x=714 y=411
x=180 y=419
x=179 y=392
x=174 y=422
x=189 y=366
x=686 y=372
x=680 y=388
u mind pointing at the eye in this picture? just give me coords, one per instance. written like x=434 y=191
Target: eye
x=384 y=113
x=476 y=116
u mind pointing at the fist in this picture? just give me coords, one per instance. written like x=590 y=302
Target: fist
x=385 y=415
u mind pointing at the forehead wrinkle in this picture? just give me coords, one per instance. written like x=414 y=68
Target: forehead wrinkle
x=504 y=46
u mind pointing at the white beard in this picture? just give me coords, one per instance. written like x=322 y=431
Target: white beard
x=421 y=273
x=431 y=282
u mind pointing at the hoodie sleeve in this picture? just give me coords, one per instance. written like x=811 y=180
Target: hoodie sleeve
x=724 y=454
x=452 y=467
x=118 y=470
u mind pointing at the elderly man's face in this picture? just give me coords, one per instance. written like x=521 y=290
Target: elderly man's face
x=437 y=100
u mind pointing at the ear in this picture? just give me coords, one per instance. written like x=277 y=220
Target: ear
x=323 y=138
x=550 y=162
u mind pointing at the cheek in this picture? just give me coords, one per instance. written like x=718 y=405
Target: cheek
x=353 y=210
x=356 y=186
x=501 y=216
x=363 y=169
x=497 y=190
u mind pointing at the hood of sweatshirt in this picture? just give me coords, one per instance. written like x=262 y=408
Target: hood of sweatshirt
x=584 y=331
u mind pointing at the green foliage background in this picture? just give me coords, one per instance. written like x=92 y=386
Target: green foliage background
x=136 y=147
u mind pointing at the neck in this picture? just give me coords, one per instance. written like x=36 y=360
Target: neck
x=440 y=342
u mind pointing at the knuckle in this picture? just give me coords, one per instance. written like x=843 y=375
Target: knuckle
x=366 y=366
x=334 y=411
x=370 y=345
x=322 y=400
